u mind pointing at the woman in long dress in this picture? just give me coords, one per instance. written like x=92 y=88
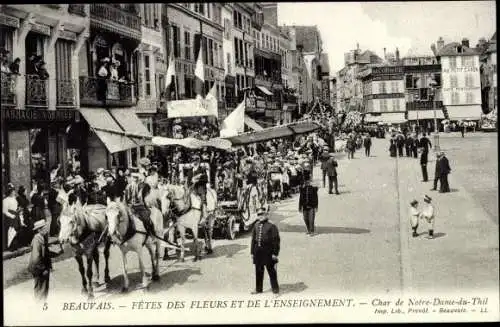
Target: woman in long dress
x=393 y=149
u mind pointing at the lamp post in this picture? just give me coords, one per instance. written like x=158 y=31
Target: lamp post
x=433 y=85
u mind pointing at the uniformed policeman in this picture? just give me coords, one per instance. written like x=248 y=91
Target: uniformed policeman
x=264 y=249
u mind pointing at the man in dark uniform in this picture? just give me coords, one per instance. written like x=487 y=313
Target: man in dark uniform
x=265 y=248
x=437 y=173
x=331 y=169
x=444 y=170
x=308 y=204
x=425 y=144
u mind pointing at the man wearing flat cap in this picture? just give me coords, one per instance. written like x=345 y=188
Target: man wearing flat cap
x=198 y=179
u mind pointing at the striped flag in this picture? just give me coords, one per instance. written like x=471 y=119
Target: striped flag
x=199 y=74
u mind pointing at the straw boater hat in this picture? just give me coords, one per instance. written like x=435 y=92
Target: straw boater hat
x=412 y=203
x=100 y=171
x=39 y=224
x=427 y=198
x=78 y=180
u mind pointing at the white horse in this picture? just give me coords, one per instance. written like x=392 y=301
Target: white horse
x=188 y=204
x=83 y=227
x=128 y=232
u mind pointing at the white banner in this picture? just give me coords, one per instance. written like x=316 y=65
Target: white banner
x=192 y=108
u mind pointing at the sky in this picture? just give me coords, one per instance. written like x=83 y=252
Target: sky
x=410 y=26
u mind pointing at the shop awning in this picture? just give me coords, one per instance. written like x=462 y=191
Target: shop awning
x=466 y=112
x=132 y=126
x=252 y=124
x=264 y=90
x=386 y=117
x=425 y=114
x=109 y=132
x=275 y=132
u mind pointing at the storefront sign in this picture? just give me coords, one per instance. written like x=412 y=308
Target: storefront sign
x=387 y=70
x=9 y=21
x=462 y=70
x=40 y=115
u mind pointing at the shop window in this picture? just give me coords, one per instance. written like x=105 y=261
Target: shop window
x=133 y=157
x=39 y=153
x=147 y=75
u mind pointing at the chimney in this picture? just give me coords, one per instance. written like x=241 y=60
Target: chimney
x=440 y=44
x=397 y=54
x=357 y=46
x=465 y=43
x=385 y=54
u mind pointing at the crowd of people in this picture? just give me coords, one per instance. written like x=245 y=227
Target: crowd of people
x=279 y=167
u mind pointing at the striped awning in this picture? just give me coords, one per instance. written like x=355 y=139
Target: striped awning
x=107 y=130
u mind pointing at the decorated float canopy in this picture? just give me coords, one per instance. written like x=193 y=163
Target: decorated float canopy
x=276 y=132
x=192 y=143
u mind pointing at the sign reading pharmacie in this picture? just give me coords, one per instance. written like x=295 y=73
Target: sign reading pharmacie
x=40 y=115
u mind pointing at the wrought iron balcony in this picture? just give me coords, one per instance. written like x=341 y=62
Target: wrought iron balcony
x=8 y=90
x=36 y=91
x=65 y=93
x=77 y=9
x=101 y=92
x=115 y=15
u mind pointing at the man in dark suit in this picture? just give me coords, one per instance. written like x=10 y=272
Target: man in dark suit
x=331 y=170
x=265 y=248
x=308 y=204
x=444 y=170
x=367 y=142
x=425 y=144
x=437 y=172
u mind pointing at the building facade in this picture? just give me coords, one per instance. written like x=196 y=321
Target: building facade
x=422 y=99
x=461 y=90
x=37 y=109
x=384 y=94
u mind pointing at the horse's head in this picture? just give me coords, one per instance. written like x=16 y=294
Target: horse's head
x=69 y=224
x=115 y=216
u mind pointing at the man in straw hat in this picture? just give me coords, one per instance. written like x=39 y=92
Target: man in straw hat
x=428 y=214
x=40 y=263
x=265 y=248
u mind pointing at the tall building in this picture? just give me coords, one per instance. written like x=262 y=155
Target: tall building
x=38 y=108
x=423 y=100
x=267 y=105
x=349 y=87
x=461 y=85
x=383 y=94
x=324 y=76
x=488 y=70
x=228 y=48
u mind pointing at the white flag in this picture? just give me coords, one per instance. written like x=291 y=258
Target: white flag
x=170 y=72
x=236 y=120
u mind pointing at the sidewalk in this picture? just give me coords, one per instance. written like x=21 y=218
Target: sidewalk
x=464 y=254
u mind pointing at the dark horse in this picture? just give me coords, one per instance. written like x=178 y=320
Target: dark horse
x=84 y=227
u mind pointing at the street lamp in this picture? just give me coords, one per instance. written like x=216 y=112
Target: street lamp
x=433 y=84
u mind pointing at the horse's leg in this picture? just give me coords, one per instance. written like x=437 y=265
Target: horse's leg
x=107 y=246
x=196 y=249
x=89 y=275
x=182 y=232
x=125 y=274
x=95 y=255
x=81 y=268
x=154 y=259
x=141 y=267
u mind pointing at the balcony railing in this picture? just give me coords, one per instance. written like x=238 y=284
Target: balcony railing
x=65 y=93
x=8 y=90
x=36 y=91
x=116 y=15
x=99 y=92
x=77 y=9
x=424 y=105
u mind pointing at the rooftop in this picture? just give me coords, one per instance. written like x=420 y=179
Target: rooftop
x=451 y=50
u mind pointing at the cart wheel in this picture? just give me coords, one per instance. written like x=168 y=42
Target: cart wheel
x=230 y=232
